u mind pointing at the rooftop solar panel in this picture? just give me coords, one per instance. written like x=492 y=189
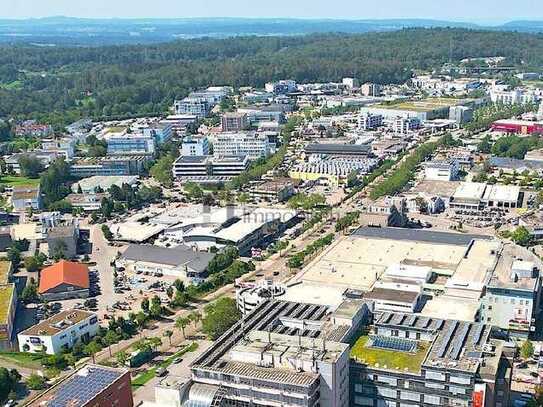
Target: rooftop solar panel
x=447 y=339
x=478 y=334
x=459 y=341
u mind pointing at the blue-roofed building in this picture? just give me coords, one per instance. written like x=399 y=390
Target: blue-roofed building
x=91 y=385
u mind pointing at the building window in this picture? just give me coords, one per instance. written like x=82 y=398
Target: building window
x=429 y=399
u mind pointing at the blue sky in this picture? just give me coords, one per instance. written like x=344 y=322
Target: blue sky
x=488 y=11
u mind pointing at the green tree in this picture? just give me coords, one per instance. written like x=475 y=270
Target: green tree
x=219 y=317
x=30 y=166
x=162 y=171
x=193 y=191
x=182 y=323
x=108 y=235
x=122 y=357
x=527 y=349
x=91 y=349
x=521 y=236
x=111 y=338
x=168 y=333
x=35 y=382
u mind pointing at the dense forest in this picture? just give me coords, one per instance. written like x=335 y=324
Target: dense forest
x=61 y=84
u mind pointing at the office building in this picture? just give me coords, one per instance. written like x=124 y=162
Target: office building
x=478 y=196
x=513 y=97
x=208 y=168
x=180 y=122
x=252 y=145
x=128 y=144
x=441 y=170
x=89 y=386
x=197 y=106
x=405 y=125
x=159 y=132
x=23 y=198
x=410 y=360
x=350 y=83
x=281 y=87
x=277 y=190
x=234 y=121
x=461 y=114
x=192 y=146
x=60 y=331
x=63 y=146
x=256 y=115
x=107 y=166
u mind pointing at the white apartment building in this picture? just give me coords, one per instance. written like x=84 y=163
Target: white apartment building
x=64 y=146
x=60 y=331
x=369 y=121
x=252 y=145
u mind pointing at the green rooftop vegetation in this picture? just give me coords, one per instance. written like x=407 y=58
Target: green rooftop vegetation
x=6 y=292
x=4 y=271
x=387 y=359
x=19 y=181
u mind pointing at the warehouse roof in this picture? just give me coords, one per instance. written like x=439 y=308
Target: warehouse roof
x=177 y=256
x=330 y=148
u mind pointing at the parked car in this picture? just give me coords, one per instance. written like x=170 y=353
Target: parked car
x=161 y=372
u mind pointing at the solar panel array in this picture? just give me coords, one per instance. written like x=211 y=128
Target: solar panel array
x=396 y=344
x=478 y=334
x=447 y=339
x=81 y=388
x=459 y=341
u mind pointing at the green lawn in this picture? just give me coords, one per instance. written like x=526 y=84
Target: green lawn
x=143 y=378
x=15 y=181
x=391 y=359
x=23 y=359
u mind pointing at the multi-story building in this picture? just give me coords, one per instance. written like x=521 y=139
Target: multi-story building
x=127 y=144
x=256 y=115
x=89 y=386
x=281 y=87
x=461 y=114
x=180 y=122
x=208 y=168
x=197 y=106
x=370 y=89
x=411 y=360
x=23 y=198
x=283 y=354
x=33 y=129
x=192 y=146
x=369 y=121
x=513 y=97
x=278 y=190
x=234 y=121
x=60 y=331
x=404 y=125
x=350 y=83
x=160 y=132
x=441 y=170
x=105 y=166
x=253 y=145
x=64 y=146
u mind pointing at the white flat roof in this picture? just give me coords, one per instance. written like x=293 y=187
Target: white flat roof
x=502 y=193
x=449 y=307
x=470 y=190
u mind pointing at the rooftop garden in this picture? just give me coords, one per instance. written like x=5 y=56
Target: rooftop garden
x=5 y=297
x=389 y=359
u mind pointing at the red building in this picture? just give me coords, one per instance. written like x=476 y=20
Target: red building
x=89 y=386
x=518 y=126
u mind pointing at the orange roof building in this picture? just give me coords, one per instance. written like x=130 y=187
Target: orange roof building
x=63 y=280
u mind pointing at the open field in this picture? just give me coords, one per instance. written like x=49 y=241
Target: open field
x=16 y=181
x=28 y=360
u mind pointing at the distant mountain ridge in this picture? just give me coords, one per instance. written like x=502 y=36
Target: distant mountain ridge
x=85 y=31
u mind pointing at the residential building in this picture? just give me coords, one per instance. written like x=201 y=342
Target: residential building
x=59 y=332
x=64 y=280
x=107 y=166
x=441 y=170
x=180 y=262
x=234 y=121
x=23 y=198
x=208 y=168
x=370 y=89
x=192 y=146
x=32 y=129
x=89 y=386
x=410 y=360
x=368 y=121
x=252 y=145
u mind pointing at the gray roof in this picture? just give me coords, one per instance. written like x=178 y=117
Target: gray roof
x=177 y=256
x=515 y=163
x=325 y=148
x=419 y=235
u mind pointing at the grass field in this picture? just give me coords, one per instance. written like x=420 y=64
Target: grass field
x=143 y=378
x=391 y=359
x=15 y=181
x=28 y=360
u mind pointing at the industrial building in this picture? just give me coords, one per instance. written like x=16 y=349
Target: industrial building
x=479 y=196
x=518 y=126
x=62 y=330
